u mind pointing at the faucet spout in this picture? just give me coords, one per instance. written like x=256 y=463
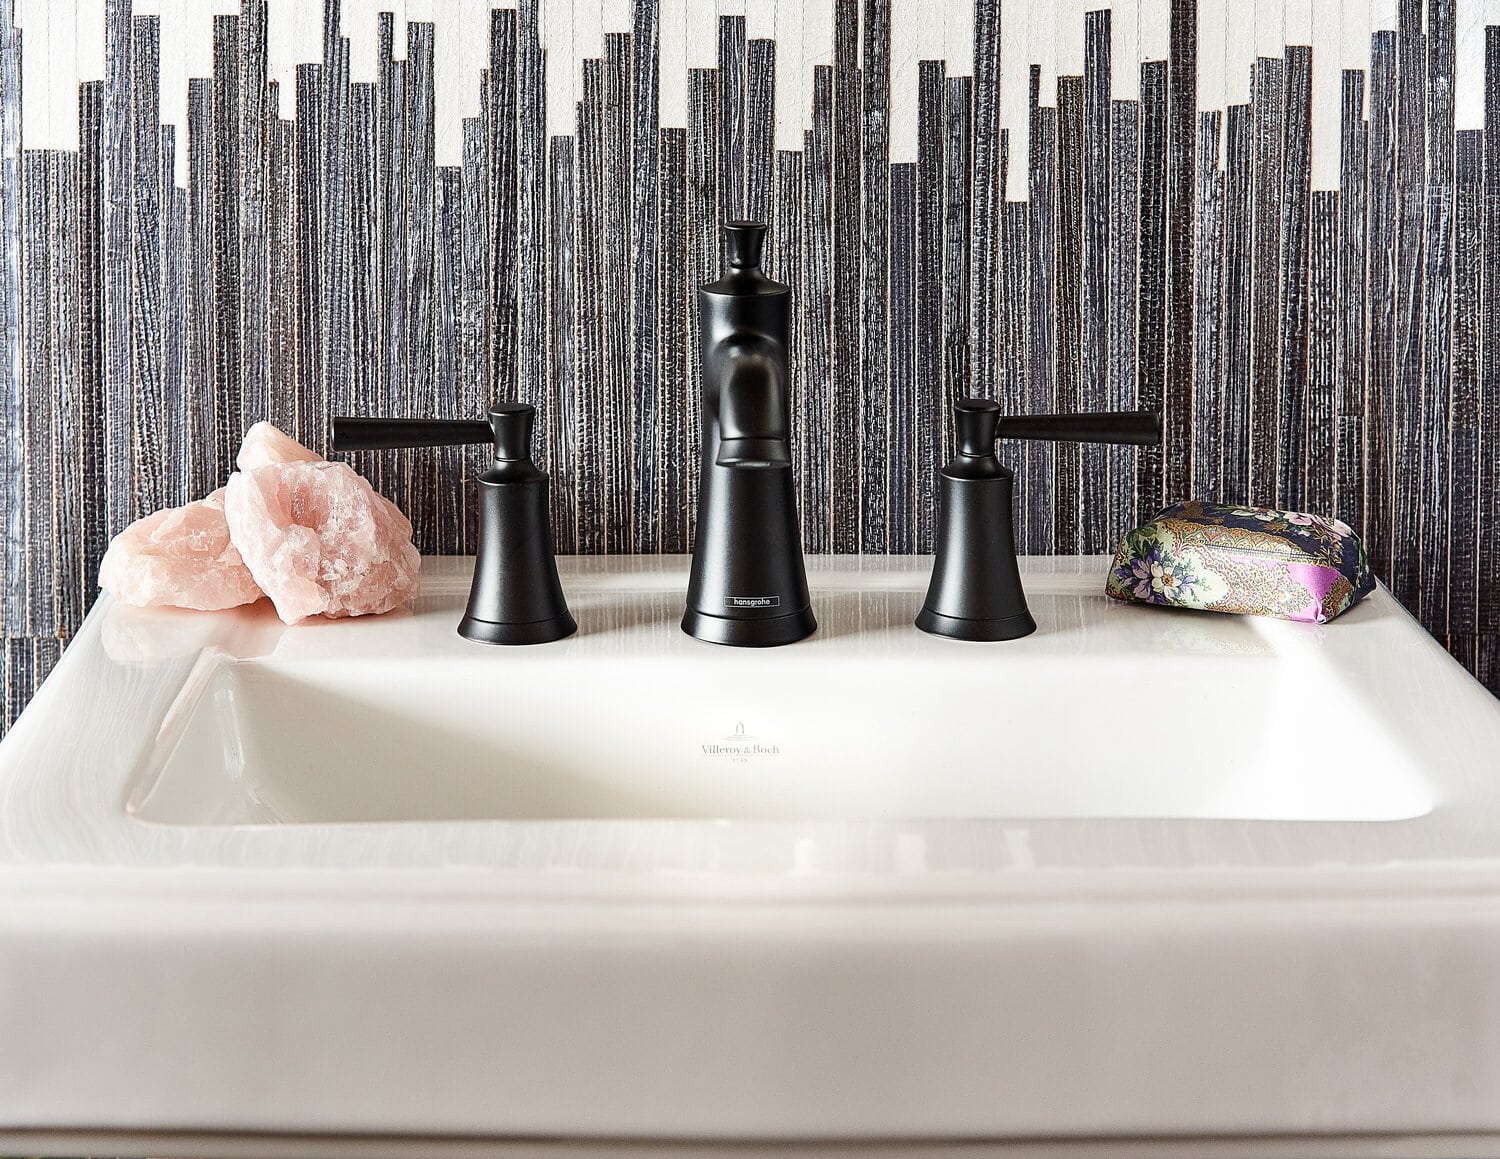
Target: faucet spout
x=752 y=409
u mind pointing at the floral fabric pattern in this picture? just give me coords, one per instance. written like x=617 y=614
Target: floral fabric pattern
x=1252 y=560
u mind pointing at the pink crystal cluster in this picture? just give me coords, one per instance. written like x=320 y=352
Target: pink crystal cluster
x=310 y=534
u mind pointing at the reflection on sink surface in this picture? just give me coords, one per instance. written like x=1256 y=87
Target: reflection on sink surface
x=869 y=720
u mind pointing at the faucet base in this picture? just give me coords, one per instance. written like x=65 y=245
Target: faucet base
x=1004 y=628
x=533 y=632
x=767 y=633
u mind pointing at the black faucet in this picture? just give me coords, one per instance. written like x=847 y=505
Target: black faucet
x=748 y=585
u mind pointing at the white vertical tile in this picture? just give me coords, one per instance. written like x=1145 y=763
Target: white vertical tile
x=1015 y=91
x=702 y=34
x=1239 y=50
x=1297 y=19
x=1468 y=71
x=455 y=85
x=1327 y=94
x=174 y=77
x=1041 y=47
x=88 y=39
x=1354 y=40
x=558 y=40
x=1125 y=50
x=1154 y=19
x=905 y=18
x=672 y=62
x=793 y=94
x=1069 y=36
x=760 y=21
x=1212 y=16
x=958 y=36
x=1270 y=20
x=617 y=16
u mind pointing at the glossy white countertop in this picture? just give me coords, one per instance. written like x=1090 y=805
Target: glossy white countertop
x=1218 y=875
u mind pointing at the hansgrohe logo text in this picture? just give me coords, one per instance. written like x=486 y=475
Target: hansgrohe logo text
x=752 y=601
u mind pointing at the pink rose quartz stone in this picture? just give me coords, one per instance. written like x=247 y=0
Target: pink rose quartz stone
x=319 y=541
x=181 y=557
x=265 y=444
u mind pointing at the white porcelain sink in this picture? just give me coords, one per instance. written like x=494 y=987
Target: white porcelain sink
x=1143 y=874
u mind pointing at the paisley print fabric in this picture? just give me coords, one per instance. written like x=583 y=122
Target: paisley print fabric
x=1242 y=559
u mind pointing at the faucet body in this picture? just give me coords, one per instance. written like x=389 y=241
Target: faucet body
x=748 y=585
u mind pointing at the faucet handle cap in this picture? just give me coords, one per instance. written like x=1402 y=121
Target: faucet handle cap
x=744 y=241
x=976 y=421
x=512 y=423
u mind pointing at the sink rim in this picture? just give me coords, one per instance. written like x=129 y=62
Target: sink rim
x=782 y=859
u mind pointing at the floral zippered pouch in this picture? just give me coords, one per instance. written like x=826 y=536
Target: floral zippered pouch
x=1251 y=560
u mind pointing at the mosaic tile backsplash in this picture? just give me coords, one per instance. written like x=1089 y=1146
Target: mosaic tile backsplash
x=1277 y=220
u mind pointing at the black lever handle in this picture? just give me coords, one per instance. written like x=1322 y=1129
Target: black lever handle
x=508 y=427
x=1137 y=428
x=362 y=434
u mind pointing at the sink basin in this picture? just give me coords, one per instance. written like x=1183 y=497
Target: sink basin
x=634 y=720
x=1145 y=875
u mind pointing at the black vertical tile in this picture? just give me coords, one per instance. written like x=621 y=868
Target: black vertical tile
x=147 y=467
x=1265 y=243
x=446 y=390
x=173 y=325
x=816 y=314
x=1208 y=308
x=1296 y=185
x=498 y=215
x=255 y=256
x=20 y=675
x=1068 y=309
x=644 y=340
x=1349 y=403
x=1464 y=489
x=119 y=182
x=364 y=387
x=986 y=190
x=391 y=145
x=900 y=354
x=35 y=425
x=1034 y=504
x=848 y=443
x=1488 y=611
x=704 y=248
x=94 y=514
x=562 y=211
x=590 y=432
x=1093 y=388
x=473 y=322
x=228 y=409
x=531 y=246
x=309 y=232
x=616 y=256
x=203 y=457
x=1182 y=143
x=927 y=412
x=786 y=235
x=678 y=439
x=1124 y=199
x=1380 y=376
x=875 y=456
x=760 y=131
x=1316 y=478
x=731 y=118
x=958 y=160
x=420 y=175
x=1152 y=311
x=71 y=584
x=281 y=243
x=1406 y=399
x=1436 y=321
x=12 y=389
x=335 y=304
